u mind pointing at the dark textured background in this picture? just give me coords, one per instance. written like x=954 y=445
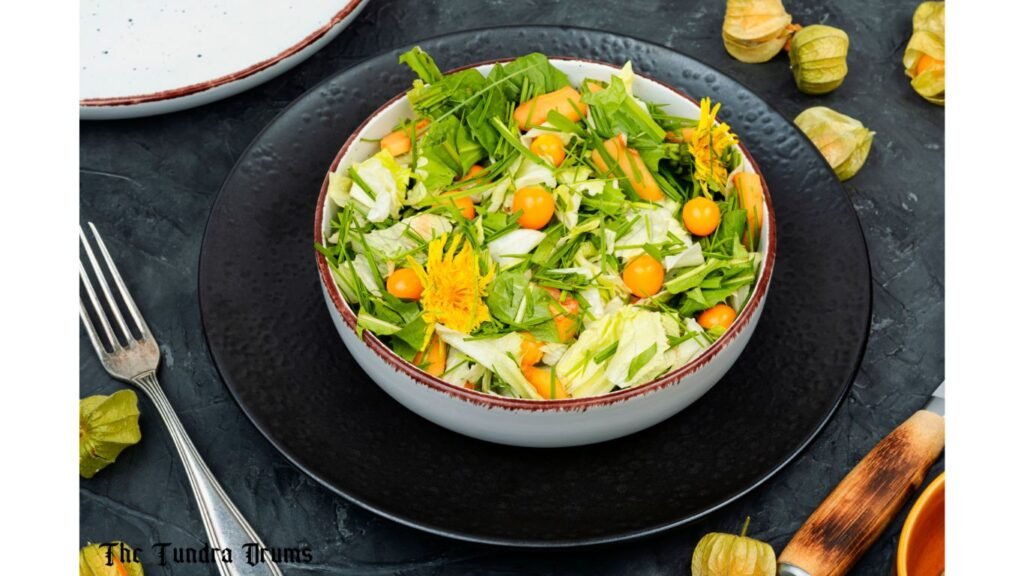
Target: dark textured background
x=149 y=184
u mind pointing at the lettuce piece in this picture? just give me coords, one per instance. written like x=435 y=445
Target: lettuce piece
x=627 y=76
x=338 y=186
x=553 y=352
x=653 y=225
x=346 y=283
x=461 y=369
x=637 y=342
x=403 y=236
x=432 y=173
x=379 y=326
x=640 y=356
x=365 y=274
x=544 y=129
x=567 y=206
x=514 y=247
x=577 y=370
x=681 y=353
x=387 y=181
x=494 y=354
x=692 y=256
x=574 y=175
x=497 y=196
x=532 y=174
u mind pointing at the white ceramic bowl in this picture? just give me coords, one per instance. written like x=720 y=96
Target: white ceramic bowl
x=550 y=423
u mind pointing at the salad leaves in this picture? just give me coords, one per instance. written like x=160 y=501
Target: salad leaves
x=547 y=278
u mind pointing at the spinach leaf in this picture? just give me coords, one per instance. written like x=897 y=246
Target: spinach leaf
x=414 y=333
x=514 y=301
x=534 y=71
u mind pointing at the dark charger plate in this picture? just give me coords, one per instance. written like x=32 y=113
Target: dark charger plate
x=275 y=346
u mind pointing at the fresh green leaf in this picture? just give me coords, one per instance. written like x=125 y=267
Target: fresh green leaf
x=641 y=360
x=422 y=64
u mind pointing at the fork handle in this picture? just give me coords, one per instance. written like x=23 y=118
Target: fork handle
x=226 y=528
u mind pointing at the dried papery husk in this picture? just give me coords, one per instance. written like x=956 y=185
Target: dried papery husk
x=107 y=425
x=720 y=554
x=842 y=140
x=931 y=17
x=92 y=561
x=928 y=42
x=755 y=53
x=817 y=57
x=755 y=30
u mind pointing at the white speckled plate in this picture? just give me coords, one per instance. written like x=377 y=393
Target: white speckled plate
x=154 y=57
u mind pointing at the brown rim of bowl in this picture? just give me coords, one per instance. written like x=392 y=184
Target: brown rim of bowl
x=494 y=401
x=103 y=102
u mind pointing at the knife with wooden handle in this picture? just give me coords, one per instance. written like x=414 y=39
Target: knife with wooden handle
x=852 y=517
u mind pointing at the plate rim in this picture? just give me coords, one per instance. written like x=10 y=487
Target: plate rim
x=522 y=542
x=97 y=103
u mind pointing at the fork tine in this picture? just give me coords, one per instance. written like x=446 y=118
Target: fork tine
x=98 y=308
x=93 y=335
x=100 y=277
x=140 y=322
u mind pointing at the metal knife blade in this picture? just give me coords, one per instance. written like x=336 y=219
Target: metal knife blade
x=937 y=403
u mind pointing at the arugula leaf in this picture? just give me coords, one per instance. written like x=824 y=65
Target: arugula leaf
x=422 y=64
x=494 y=103
x=543 y=252
x=445 y=94
x=621 y=110
x=698 y=300
x=611 y=201
x=692 y=277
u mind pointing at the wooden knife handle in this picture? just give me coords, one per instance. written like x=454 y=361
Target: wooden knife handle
x=853 y=516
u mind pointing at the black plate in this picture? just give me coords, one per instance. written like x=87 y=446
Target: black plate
x=275 y=346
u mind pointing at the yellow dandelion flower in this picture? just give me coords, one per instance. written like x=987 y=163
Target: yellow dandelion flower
x=708 y=144
x=453 y=286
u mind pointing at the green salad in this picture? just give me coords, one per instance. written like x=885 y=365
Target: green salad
x=526 y=236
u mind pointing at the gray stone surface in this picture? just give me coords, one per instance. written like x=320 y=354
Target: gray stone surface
x=149 y=184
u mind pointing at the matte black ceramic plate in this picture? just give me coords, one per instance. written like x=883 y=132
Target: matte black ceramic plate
x=274 y=344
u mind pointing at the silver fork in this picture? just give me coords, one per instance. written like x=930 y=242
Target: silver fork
x=135 y=360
